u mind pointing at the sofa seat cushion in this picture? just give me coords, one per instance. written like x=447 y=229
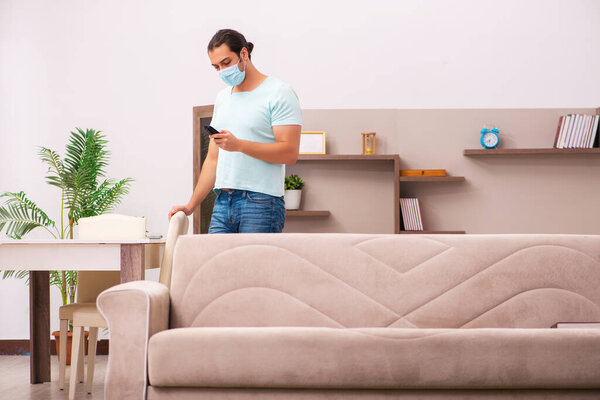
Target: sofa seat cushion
x=312 y=357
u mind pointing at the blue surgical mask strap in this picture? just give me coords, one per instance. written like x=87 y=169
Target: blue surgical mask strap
x=241 y=59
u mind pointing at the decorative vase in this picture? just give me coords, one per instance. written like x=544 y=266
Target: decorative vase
x=56 y=335
x=292 y=199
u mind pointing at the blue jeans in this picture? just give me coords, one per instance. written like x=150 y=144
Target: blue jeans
x=244 y=211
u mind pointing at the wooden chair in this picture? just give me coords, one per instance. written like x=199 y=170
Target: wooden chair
x=85 y=313
x=91 y=283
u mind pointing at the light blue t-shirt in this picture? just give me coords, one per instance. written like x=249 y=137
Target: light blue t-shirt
x=251 y=116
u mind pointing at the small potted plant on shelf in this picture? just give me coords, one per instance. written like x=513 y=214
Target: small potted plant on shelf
x=85 y=191
x=293 y=192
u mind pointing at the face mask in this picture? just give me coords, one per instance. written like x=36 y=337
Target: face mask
x=232 y=75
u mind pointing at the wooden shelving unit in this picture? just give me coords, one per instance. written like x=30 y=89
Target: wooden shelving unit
x=306 y=213
x=393 y=158
x=431 y=179
x=507 y=152
x=203 y=115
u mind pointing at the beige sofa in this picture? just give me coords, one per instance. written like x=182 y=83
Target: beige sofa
x=344 y=316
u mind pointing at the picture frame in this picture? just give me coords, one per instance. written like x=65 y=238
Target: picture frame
x=312 y=142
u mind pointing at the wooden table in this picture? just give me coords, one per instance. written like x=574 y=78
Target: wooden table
x=131 y=257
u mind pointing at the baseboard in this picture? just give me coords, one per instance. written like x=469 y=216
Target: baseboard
x=21 y=347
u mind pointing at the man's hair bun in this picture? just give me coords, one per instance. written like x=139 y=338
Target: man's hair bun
x=232 y=38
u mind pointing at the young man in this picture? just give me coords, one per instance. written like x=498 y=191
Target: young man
x=259 y=121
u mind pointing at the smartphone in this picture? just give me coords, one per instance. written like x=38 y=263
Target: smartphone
x=210 y=129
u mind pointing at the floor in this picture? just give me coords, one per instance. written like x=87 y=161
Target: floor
x=14 y=381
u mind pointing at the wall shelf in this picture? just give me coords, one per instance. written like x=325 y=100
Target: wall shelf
x=307 y=213
x=505 y=152
x=432 y=232
x=396 y=160
x=432 y=179
x=348 y=157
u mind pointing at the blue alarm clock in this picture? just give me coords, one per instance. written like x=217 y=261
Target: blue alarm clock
x=489 y=138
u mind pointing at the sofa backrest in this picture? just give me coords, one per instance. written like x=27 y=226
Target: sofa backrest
x=370 y=280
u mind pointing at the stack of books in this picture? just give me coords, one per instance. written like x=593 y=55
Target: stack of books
x=577 y=131
x=411 y=214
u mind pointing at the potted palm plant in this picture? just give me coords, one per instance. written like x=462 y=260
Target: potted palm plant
x=293 y=192
x=85 y=191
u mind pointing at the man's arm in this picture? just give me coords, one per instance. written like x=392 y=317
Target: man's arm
x=283 y=151
x=206 y=180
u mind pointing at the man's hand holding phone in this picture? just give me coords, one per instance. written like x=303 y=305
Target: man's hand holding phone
x=224 y=139
x=210 y=130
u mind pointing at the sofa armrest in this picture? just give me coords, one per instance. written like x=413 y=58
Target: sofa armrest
x=134 y=312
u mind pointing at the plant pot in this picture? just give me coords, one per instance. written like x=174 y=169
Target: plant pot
x=57 y=338
x=292 y=199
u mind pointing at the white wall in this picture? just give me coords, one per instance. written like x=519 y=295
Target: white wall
x=135 y=69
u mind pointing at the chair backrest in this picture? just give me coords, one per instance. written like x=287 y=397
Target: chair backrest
x=177 y=226
x=400 y=281
x=105 y=227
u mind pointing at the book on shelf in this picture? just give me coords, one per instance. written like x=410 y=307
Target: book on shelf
x=405 y=224
x=404 y=215
x=577 y=131
x=564 y=130
x=418 y=212
x=411 y=214
x=595 y=325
